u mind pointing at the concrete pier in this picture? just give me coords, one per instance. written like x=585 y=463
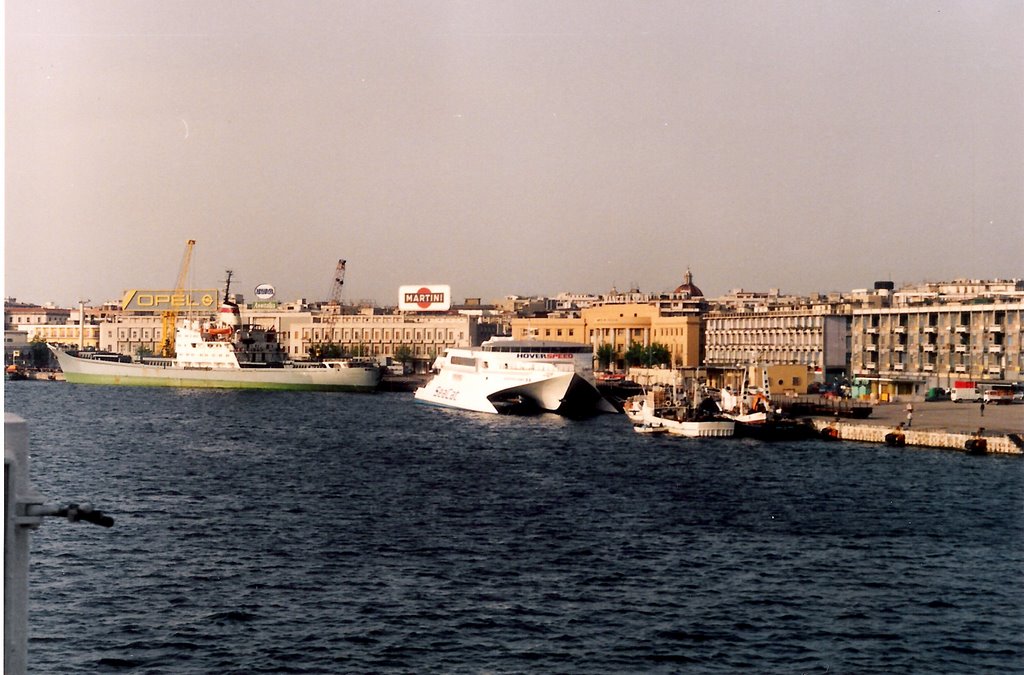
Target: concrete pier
x=942 y=424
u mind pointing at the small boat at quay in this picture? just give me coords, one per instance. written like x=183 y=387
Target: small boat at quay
x=678 y=419
x=756 y=417
x=517 y=377
x=223 y=355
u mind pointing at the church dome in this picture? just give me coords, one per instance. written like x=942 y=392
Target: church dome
x=688 y=288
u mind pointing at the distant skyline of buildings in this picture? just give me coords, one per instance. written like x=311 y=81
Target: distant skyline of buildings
x=949 y=289
x=896 y=341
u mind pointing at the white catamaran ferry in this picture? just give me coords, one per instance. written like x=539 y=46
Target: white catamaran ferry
x=517 y=376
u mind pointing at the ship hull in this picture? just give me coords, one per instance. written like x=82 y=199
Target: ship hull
x=88 y=371
x=508 y=382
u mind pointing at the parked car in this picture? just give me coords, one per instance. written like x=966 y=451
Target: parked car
x=937 y=394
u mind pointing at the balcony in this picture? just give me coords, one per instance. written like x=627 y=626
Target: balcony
x=928 y=348
x=995 y=349
x=961 y=349
x=871 y=365
x=872 y=330
x=995 y=370
x=963 y=329
x=994 y=328
x=960 y=369
x=897 y=366
x=931 y=330
x=899 y=348
x=928 y=367
x=900 y=330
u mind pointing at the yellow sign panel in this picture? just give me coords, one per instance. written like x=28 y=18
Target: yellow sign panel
x=163 y=301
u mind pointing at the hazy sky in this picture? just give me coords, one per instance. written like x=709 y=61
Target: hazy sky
x=511 y=146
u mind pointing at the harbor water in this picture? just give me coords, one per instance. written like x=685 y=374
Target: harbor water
x=326 y=533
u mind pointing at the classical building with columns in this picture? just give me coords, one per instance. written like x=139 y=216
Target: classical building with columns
x=624 y=319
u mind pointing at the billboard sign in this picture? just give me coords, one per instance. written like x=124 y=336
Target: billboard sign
x=164 y=301
x=264 y=292
x=432 y=298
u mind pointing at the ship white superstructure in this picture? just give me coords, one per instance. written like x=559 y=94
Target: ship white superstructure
x=505 y=375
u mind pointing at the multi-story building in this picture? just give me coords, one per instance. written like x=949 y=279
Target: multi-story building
x=18 y=316
x=24 y=324
x=380 y=335
x=624 y=319
x=814 y=335
x=907 y=349
x=131 y=334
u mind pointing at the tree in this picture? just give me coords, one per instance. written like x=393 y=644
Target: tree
x=403 y=353
x=660 y=354
x=605 y=356
x=39 y=353
x=637 y=355
x=653 y=355
x=319 y=351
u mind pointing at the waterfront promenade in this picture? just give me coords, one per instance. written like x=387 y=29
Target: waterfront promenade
x=999 y=420
x=939 y=425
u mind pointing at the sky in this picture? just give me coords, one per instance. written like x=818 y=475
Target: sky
x=526 y=147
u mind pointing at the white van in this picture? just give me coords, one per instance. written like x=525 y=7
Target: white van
x=965 y=394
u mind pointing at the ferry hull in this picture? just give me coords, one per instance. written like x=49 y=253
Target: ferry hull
x=567 y=394
x=87 y=371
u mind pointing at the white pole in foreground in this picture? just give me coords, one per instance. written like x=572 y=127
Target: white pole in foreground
x=16 y=543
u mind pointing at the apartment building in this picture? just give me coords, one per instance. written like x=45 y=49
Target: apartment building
x=907 y=349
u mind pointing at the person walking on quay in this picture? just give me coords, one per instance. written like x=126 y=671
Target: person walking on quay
x=910 y=414
x=982 y=407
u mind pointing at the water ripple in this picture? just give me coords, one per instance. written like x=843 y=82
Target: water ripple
x=310 y=533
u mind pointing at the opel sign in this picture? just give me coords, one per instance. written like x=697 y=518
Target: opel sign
x=425 y=298
x=162 y=301
x=264 y=292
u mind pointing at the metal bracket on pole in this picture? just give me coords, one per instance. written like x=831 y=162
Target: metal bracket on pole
x=24 y=510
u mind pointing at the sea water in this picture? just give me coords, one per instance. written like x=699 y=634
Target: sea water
x=328 y=533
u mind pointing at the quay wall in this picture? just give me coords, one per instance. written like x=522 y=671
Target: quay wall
x=873 y=433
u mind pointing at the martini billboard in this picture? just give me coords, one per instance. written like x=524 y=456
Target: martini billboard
x=426 y=298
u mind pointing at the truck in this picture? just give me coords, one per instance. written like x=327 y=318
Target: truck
x=964 y=391
x=1000 y=394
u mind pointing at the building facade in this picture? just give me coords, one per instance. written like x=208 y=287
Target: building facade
x=815 y=336
x=906 y=350
x=621 y=326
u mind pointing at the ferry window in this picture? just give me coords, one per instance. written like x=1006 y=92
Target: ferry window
x=571 y=331
x=559 y=332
